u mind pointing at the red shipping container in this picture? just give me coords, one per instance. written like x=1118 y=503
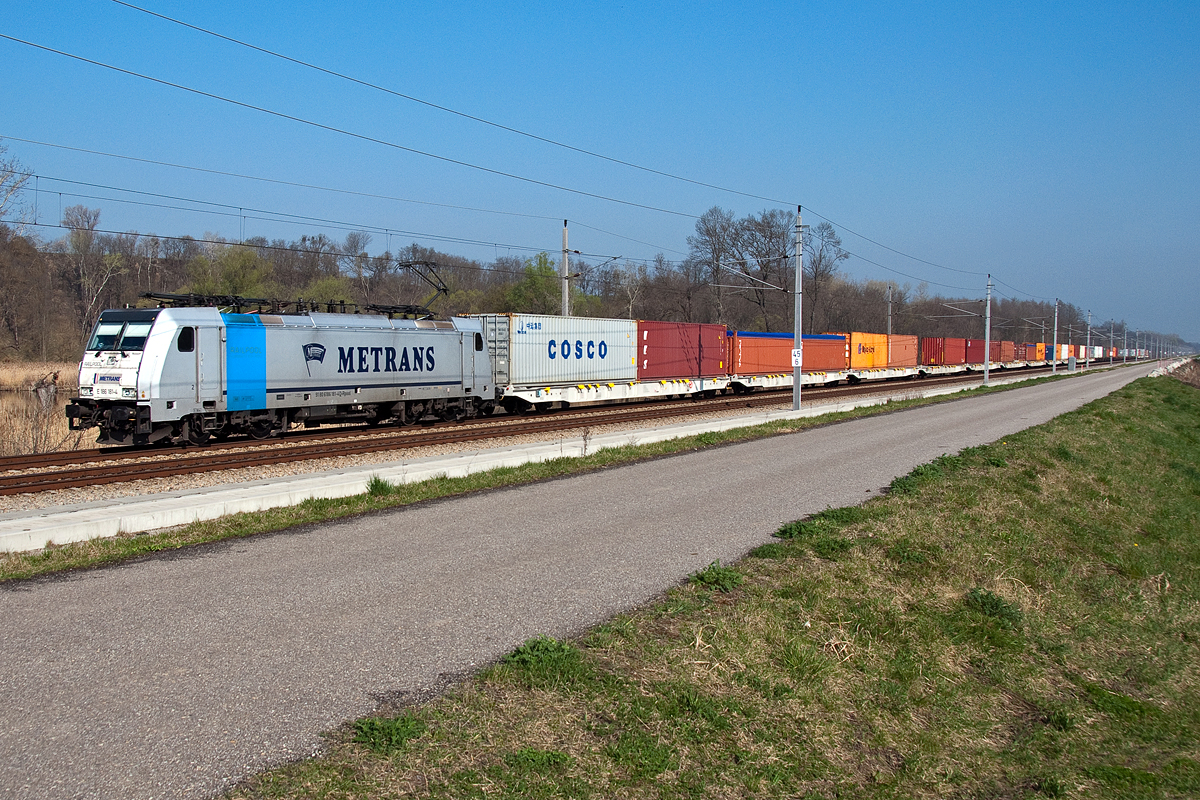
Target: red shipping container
x=975 y=351
x=679 y=350
x=1008 y=352
x=902 y=350
x=771 y=353
x=941 y=350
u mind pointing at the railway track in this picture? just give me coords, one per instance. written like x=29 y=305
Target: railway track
x=83 y=468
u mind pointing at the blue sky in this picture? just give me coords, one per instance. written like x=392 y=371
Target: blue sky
x=1055 y=145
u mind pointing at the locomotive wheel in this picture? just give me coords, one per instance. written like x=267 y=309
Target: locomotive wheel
x=193 y=433
x=261 y=430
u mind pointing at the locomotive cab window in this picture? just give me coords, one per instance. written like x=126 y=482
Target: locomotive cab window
x=106 y=336
x=479 y=342
x=134 y=337
x=119 y=336
x=187 y=340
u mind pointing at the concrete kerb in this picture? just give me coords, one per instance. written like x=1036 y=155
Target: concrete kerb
x=33 y=530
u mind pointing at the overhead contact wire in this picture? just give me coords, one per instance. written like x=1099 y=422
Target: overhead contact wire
x=343 y=132
x=445 y=109
x=275 y=180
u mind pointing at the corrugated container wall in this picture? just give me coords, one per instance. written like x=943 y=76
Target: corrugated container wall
x=942 y=350
x=902 y=350
x=975 y=351
x=1040 y=351
x=545 y=350
x=1008 y=352
x=771 y=353
x=867 y=350
x=679 y=350
x=828 y=353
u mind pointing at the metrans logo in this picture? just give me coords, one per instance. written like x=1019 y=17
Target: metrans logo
x=313 y=352
x=385 y=359
x=579 y=349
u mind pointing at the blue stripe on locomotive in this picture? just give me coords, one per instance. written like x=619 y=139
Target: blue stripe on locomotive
x=245 y=362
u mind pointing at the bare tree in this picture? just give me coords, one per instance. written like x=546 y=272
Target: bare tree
x=354 y=261
x=822 y=254
x=92 y=269
x=630 y=282
x=765 y=241
x=715 y=243
x=13 y=179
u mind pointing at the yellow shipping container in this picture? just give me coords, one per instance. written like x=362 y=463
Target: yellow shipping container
x=1041 y=352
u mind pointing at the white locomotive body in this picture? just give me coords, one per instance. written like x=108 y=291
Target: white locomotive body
x=187 y=374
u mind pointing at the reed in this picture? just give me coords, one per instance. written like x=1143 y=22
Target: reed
x=33 y=396
x=21 y=376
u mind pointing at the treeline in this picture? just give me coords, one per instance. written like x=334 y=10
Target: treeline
x=737 y=272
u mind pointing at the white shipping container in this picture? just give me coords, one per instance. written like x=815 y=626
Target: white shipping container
x=540 y=350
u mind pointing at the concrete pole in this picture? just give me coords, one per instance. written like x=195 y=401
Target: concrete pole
x=798 y=342
x=1054 y=363
x=1124 y=344
x=889 y=350
x=1112 y=338
x=1087 y=354
x=987 y=333
x=566 y=280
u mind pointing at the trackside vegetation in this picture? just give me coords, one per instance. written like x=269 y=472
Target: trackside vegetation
x=1016 y=620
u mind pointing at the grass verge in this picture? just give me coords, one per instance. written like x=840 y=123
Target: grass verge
x=381 y=495
x=1017 y=620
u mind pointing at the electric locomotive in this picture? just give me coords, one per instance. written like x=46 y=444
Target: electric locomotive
x=188 y=374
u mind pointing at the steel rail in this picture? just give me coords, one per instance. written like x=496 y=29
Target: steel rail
x=119 y=465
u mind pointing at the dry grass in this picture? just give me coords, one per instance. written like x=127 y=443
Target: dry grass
x=20 y=376
x=33 y=395
x=35 y=425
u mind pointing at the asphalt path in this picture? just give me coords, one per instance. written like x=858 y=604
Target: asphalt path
x=179 y=674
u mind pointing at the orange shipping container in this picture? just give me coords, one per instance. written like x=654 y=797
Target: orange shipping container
x=771 y=353
x=902 y=350
x=867 y=350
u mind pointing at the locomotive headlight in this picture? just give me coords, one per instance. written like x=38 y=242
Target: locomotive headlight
x=85 y=391
x=128 y=391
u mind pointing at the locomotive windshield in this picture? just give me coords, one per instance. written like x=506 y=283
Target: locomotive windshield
x=122 y=330
x=106 y=336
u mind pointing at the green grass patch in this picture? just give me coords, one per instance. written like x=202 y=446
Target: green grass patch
x=1019 y=620
x=714 y=576
x=546 y=662
x=387 y=735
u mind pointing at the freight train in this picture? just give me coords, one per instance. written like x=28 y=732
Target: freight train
x=186 y=375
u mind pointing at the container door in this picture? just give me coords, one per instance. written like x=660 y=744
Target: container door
x=209 y=350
